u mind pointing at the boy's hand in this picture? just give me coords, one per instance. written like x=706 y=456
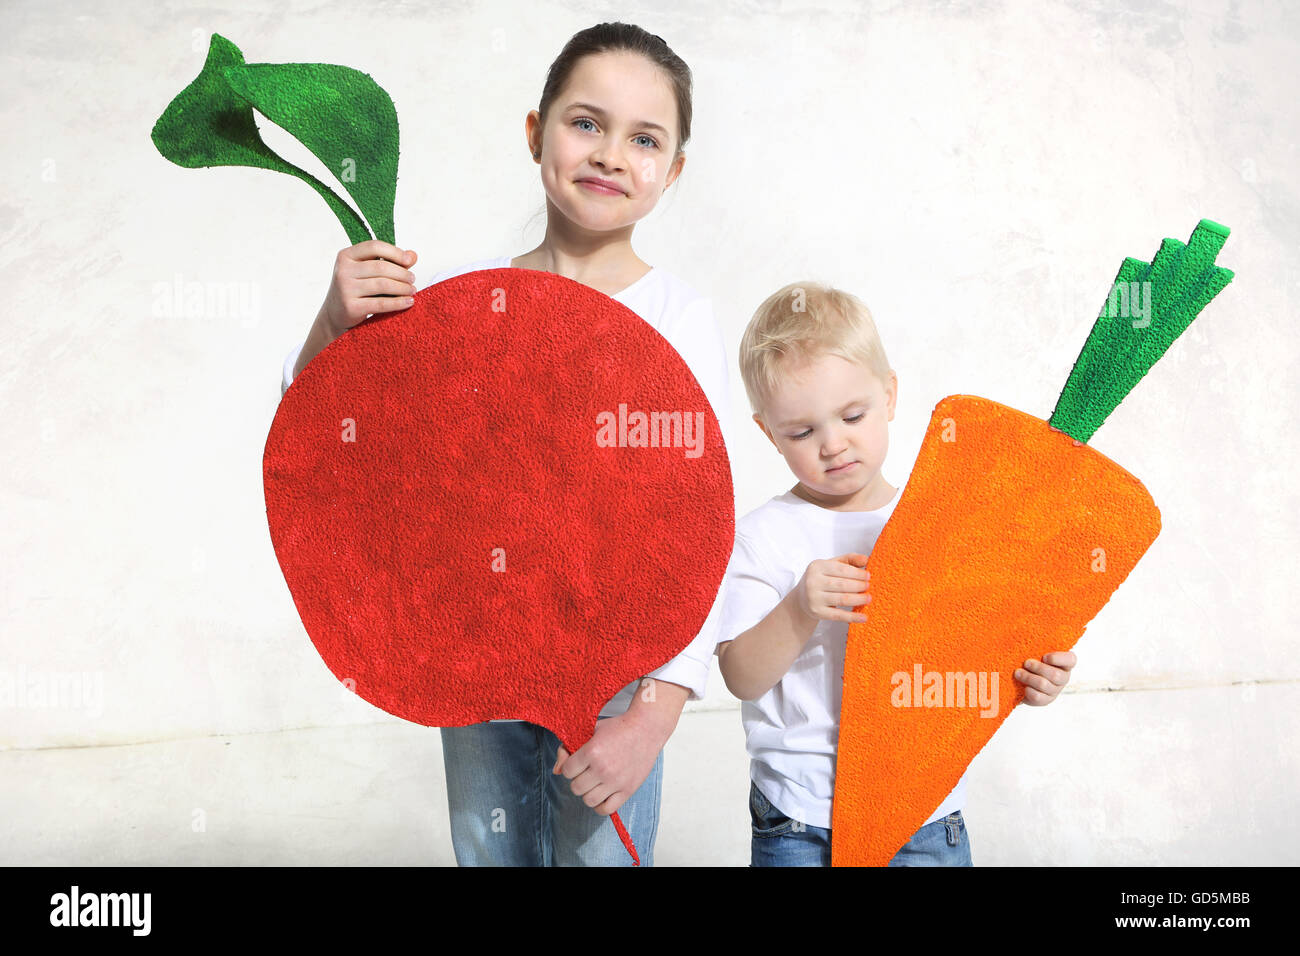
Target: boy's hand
x=1044 y=679
x=830 y=585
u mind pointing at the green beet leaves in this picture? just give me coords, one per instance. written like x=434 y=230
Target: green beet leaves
x=341 y=115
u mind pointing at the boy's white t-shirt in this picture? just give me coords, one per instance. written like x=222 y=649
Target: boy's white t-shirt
x=685 y=318
x=791 y=732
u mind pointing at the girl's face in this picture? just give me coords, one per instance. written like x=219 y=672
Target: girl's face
x=614 y=121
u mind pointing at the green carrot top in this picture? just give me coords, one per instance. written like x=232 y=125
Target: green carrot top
x=1149 y=305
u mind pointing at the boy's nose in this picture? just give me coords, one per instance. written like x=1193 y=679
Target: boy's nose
x=834 y=446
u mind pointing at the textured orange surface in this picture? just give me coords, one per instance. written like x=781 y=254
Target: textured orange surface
x=1010 y=536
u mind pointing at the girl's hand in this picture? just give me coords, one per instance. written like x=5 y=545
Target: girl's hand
x=1045 y=679
x=608 y=768
x=362 y=275
x=828 y=585
x=612 y=765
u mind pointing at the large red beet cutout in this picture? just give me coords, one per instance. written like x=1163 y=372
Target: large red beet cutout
x=509 y=500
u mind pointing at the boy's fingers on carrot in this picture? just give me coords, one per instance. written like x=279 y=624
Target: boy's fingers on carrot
x=1058 y=676
x=839 y=614
x=1036 y=698
x=845 y=598
x=1065 y=660
x=828 y=594
x=838 y=583
x=1038 y=689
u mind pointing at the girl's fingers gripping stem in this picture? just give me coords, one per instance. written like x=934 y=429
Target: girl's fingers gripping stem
x=380 y=286
x=378 y=249
x=613 y=804
x=375 y=258
x=394 y=284
x=572 y=765
x=382 y=268
x=598 y=795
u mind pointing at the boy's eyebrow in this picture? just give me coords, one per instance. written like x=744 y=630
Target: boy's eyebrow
x=856 y=401
x=592 y=108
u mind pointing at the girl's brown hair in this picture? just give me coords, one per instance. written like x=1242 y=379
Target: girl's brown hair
x=622 y=36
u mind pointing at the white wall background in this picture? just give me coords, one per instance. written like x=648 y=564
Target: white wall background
x=975 y=171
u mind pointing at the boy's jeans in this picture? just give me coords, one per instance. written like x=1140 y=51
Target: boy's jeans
x=508 y=809
x=777 y=841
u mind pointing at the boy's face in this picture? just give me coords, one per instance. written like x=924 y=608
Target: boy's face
x=829 y=419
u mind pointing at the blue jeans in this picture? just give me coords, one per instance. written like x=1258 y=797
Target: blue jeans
x=508 y=809
x=779 y=841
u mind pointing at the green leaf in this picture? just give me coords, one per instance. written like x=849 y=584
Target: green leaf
x=210 y=124
x=343 y=116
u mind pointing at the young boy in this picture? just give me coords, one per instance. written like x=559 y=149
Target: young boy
x=823 y=393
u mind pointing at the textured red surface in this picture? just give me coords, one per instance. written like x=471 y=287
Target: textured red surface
x=475 y=416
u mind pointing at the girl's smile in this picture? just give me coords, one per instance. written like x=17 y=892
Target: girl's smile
x=601 y=186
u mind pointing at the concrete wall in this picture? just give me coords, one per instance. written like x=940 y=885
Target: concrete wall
x=974 y=171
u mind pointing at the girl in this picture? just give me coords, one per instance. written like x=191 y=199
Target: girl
x=609 y=136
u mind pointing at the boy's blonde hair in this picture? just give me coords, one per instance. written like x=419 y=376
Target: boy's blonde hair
x=803 y=321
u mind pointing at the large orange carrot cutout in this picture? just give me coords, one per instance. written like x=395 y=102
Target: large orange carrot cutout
x=1010 y=536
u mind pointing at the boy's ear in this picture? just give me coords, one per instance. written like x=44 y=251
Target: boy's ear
x=758 y=420
x=891 y=392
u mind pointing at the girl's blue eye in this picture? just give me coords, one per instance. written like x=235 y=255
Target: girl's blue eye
x=652 y=144
x=801 y=436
